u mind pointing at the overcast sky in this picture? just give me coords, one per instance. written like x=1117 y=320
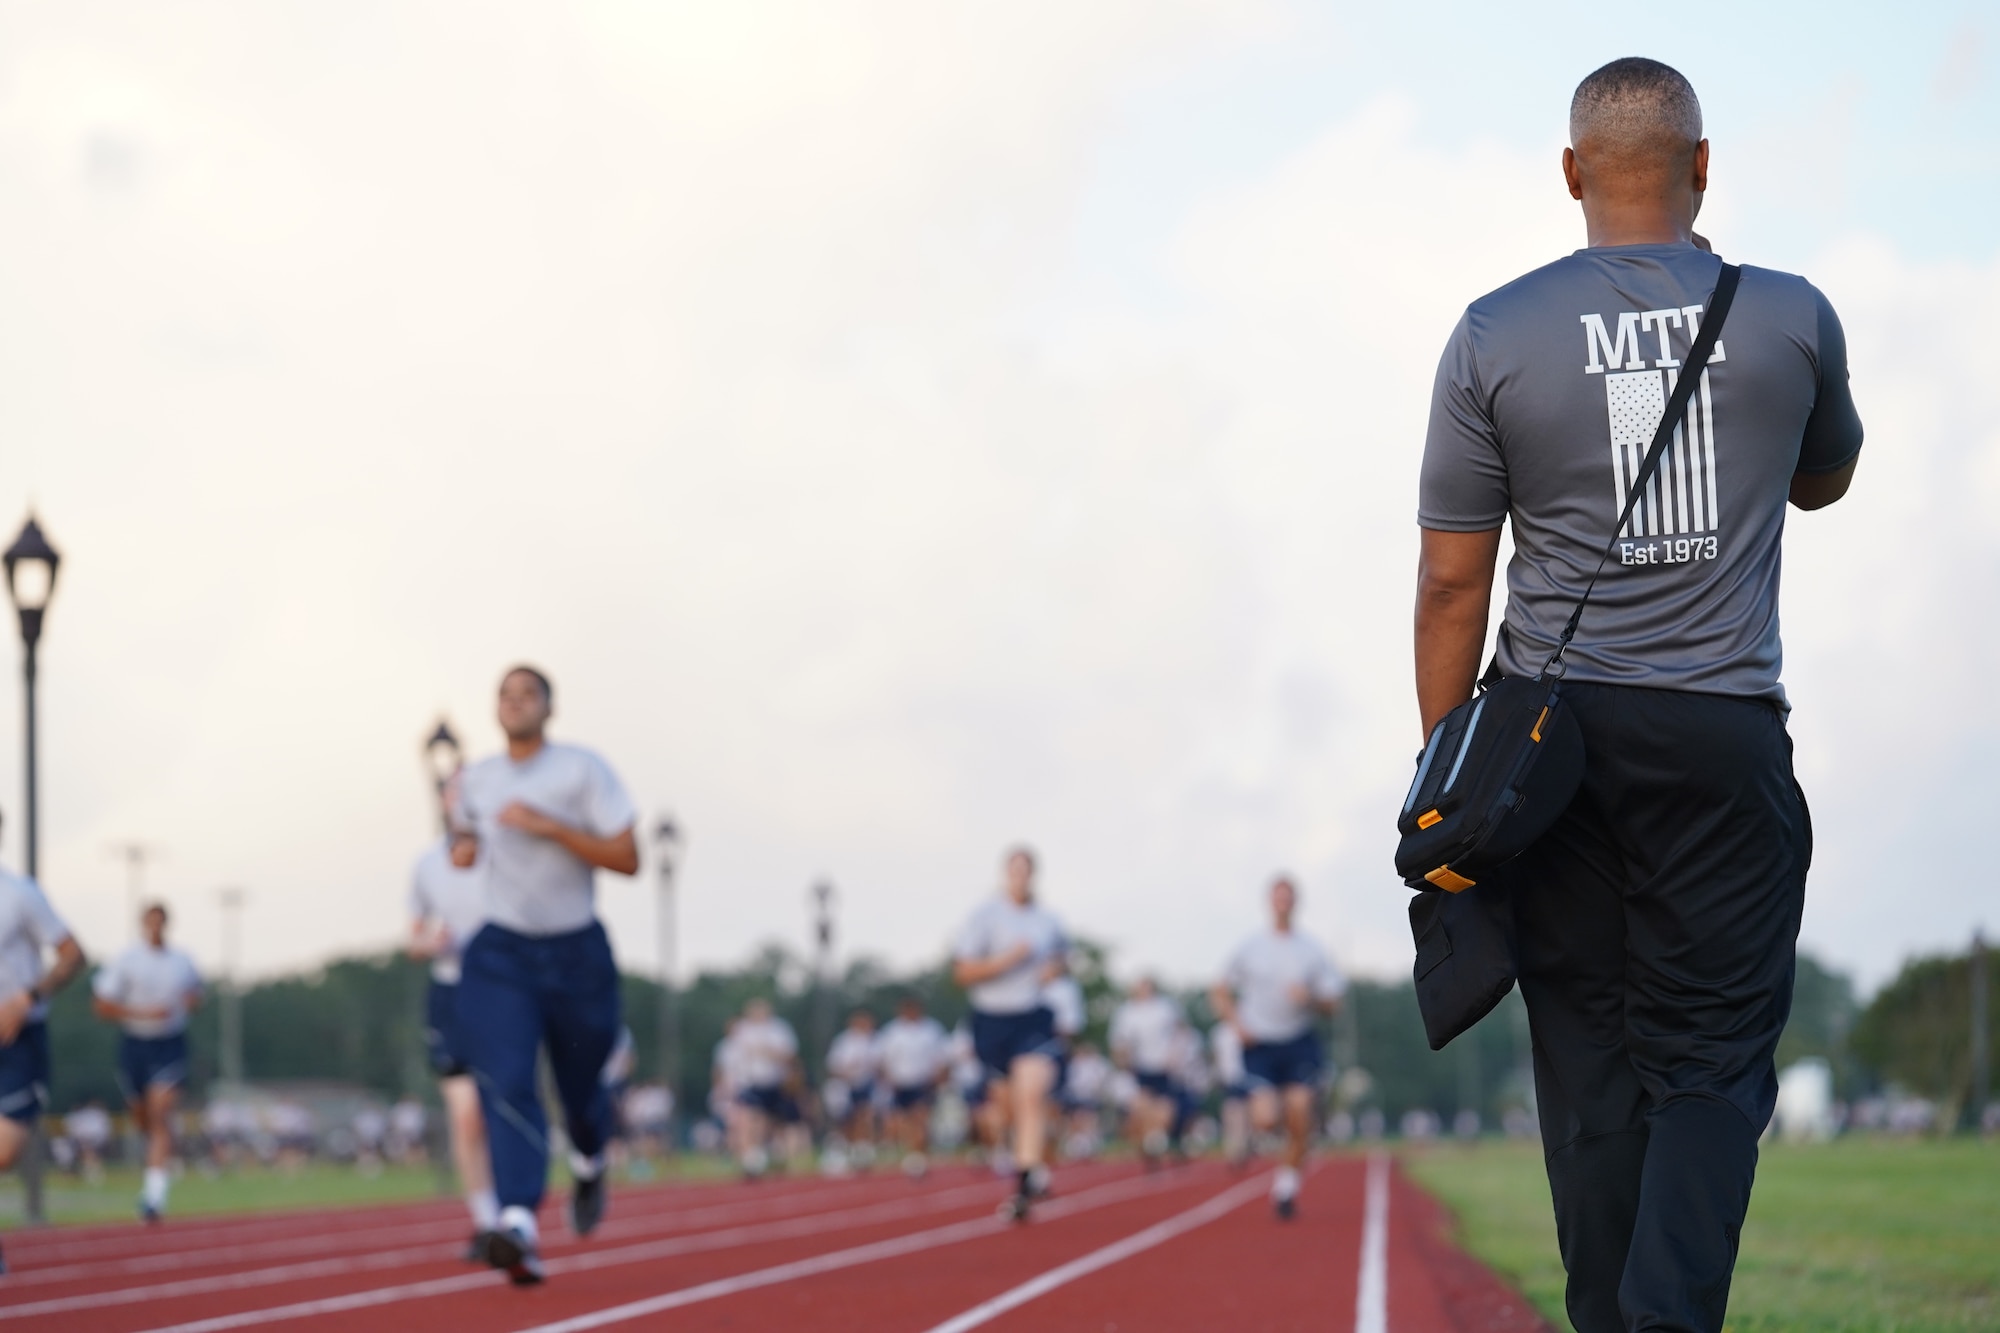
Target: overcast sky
x=901 y=429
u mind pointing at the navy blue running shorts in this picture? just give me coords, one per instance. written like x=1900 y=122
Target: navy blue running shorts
x=1001 y=1039
x=1284 y=1064
x=151 y=1062
x=24 y=1074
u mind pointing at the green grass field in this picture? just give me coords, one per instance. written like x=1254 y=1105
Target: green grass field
x=1886 y=1237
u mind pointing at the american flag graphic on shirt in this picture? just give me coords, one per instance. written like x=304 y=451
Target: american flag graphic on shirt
x=1679 y=498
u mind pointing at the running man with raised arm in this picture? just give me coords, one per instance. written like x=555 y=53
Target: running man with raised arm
x=1278 y=985
x=542 y=819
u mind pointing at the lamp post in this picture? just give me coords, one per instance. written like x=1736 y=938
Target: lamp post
x=668 y=841
x=443 y=756
x=823 y=896
x=232 y=993
x=31 y=580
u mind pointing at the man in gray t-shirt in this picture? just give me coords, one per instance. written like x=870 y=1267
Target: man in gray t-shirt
x=1546 y=400
x=540 y=821
x=1656 y=921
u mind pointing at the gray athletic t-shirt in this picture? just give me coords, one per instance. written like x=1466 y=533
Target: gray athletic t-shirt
x=534 y=886
x=1546 y=399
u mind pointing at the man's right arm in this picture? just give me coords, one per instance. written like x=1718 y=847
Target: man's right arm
x=1463 y=500
x=1454 y=590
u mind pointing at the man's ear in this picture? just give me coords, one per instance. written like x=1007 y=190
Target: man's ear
x=1571 y=175
x=1700 y=181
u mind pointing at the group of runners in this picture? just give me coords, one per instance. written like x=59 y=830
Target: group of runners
x=503 y=908
x=1022 y=1068
x=1027 y=1014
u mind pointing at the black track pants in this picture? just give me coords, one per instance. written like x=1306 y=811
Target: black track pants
x=1657 y=927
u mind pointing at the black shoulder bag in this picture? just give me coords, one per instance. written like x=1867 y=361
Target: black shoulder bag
x=1497 y=772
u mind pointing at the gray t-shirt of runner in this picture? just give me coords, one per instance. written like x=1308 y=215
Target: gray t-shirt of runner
x=1546 y=399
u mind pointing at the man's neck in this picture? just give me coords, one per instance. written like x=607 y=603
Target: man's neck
x=1283 y=926
x=521 y=751
x=1650 y=223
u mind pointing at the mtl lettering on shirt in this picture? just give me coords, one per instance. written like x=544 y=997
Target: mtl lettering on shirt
x=1602 y=349
x=1682 y=495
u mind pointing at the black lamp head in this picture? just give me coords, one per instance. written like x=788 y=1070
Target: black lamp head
x=442 y=749
x=31 y=569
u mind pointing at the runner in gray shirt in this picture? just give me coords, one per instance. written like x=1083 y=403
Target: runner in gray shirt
x=1656 y=921
x=540 y=820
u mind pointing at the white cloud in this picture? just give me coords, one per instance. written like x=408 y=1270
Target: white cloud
x=729 y=364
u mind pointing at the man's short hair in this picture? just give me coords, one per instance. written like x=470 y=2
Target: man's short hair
x=1636 y=109
x=1025 y=852
x=155 y=906
x=536 y=675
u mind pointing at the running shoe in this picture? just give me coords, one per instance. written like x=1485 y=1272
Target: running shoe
x=586 y=1205
x=476 y=1248
x=1033 y=1185
x=1285 y=1193
x=512 y=1252
x=148 y=1213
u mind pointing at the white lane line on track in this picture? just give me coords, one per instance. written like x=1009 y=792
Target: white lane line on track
x=1371 y=1297
x=894 y=1247
x=1137 y=1243
x=343 y=1225
x=648 y=1219
x=890 y=1211
x=359 y=1300
x=72 y=1242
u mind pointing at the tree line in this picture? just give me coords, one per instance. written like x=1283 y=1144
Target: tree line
x=359 y=1021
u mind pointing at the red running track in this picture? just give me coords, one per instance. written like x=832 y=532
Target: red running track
x=1192 y=1248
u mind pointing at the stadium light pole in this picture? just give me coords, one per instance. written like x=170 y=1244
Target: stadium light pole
x=135 y=855
x=668 y=841
x=1974 y=1119
x=31 y=581
x=232 y=994
x=823 y=897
